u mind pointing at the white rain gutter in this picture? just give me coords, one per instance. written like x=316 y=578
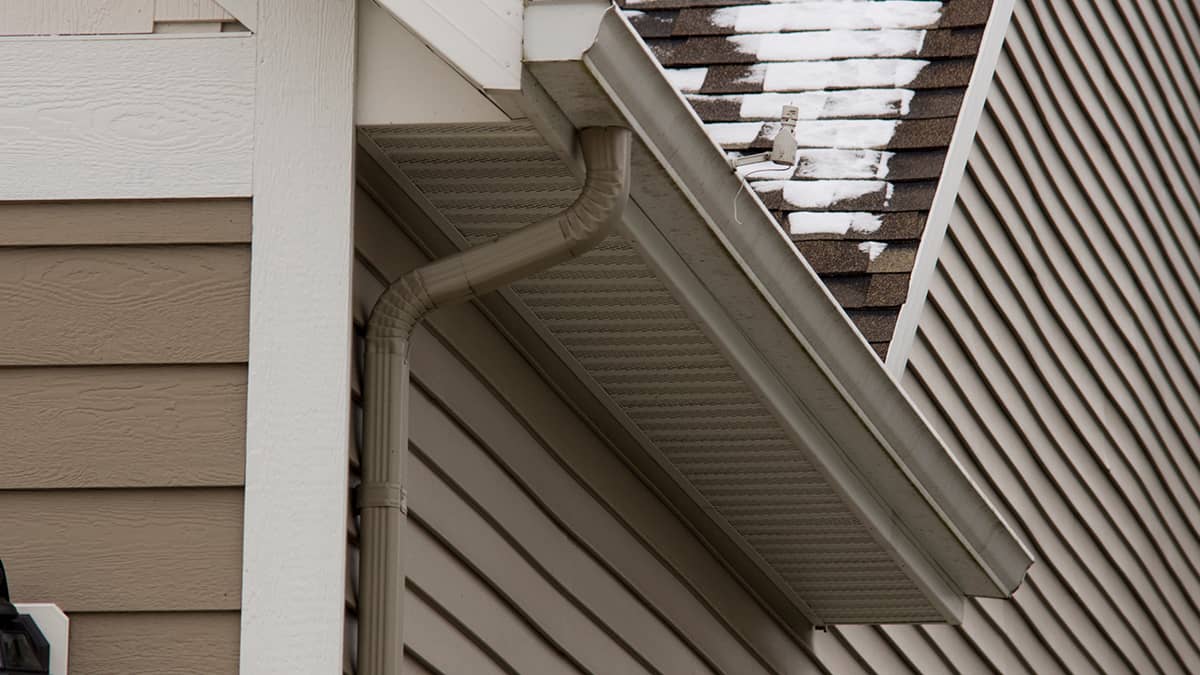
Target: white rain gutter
x=451 y=280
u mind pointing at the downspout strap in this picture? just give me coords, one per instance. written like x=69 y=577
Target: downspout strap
x=381 y=495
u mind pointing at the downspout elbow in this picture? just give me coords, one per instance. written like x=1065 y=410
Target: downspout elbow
x=456 y=278
x=471 y=273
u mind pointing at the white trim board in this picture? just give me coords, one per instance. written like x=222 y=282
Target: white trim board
x=947 y=190
x=55 y=627
x=71 y=17
x=393 y=63
x=245 y=11
x=298 y=393
x=479 y=38
x=126 y=118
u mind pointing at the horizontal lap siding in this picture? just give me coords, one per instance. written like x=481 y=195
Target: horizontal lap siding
x=164 y=643
x=123 y=331
x=1058 y=353
x=123 y=304
x=529 y=540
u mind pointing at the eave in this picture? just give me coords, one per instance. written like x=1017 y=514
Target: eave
x=761 y=306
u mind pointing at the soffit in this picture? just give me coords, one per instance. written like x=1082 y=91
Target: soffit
x=654 y=368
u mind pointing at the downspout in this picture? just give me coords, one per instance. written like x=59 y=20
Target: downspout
x=450 y=280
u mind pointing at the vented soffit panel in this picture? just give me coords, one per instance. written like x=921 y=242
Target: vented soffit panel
x=743 y=393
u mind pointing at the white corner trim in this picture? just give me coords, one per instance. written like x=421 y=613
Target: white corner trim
x=947 y=190
x=298 y=414
x=245 y=11
x=562 y=31
x=480 y=38
x=126 y=117
x=55 y=627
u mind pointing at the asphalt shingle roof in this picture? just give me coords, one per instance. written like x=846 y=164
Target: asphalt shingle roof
x=879 y=84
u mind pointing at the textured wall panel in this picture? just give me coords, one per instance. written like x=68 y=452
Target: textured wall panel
x=610 y=313
x=1057 y=355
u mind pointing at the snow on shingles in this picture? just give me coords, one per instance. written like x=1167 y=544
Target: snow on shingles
x=829 y=44
x=823 y=163
x=847 y=74
x=734 y=134
x=828 y=14
x=802 y=223
x=765 y=171
x=872 y=249
x=818 y=46
x=686 y=79
x=820 y=194
x=854 y=134
x=831 y=163
x=820 y=104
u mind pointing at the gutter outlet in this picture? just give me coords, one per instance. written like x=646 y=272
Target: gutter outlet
x=450 y=280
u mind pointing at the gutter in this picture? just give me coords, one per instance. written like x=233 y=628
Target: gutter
x=451 y=280
x=770 y=314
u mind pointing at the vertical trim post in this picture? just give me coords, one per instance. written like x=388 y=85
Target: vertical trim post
x=298 y=415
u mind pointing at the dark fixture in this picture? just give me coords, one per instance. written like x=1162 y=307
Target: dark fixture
x=23 y=648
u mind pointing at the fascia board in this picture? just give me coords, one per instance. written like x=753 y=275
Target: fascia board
x=946 y=194
x=785 y=331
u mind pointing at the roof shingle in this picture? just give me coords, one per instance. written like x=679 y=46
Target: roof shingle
x=879 y=85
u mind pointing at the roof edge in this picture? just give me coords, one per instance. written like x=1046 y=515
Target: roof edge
x=866 y=434
x=795 y=292
x=946 y=193
x=935 y=518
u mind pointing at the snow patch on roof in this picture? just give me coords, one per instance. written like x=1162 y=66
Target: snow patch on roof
x=819 y=194
x=829 y=163
x=823 y=163
x=824 y=104
x=765 y=170
x=686 y=79
x=755 y=74
x=857 y=134
x=854 y=134
x=833 y=222
x=852 y=73
x=829 y=44
x=728 y=134
x=872 y=249
x=836 y=14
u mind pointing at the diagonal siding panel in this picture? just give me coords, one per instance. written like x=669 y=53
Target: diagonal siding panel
x=1058 y=353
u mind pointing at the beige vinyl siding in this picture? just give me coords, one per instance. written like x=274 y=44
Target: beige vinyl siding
x=532 y=547
x=123 y=331
x=1057 y=355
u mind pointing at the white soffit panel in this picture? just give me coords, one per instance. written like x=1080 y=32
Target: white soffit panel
x=480 y=38
x=393 y=63
x=127 y=117
x=609 y=315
